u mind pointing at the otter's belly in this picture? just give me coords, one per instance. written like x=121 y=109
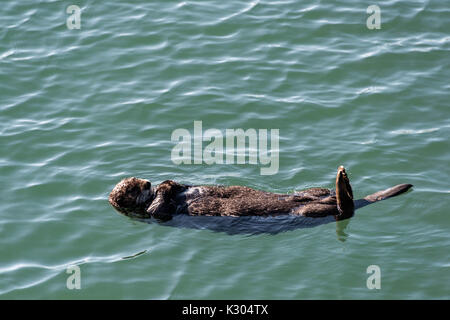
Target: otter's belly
x=241 y=201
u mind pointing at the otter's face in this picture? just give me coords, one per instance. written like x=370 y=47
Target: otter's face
x=132 y=196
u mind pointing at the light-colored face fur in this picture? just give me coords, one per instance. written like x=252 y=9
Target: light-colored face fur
x=132 y=196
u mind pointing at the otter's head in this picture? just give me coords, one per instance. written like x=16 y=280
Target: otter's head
x=344 y=195
x=132 y=196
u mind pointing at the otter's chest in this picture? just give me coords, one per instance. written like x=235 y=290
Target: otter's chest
x=192 y=194
x=185 y=198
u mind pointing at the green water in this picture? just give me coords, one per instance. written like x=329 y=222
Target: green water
x=81 y=109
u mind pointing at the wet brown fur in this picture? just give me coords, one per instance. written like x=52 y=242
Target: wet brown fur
x=244 y=201
x=169 y=198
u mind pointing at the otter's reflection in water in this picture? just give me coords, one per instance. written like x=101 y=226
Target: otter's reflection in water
x=249 y=225
x=340 y=229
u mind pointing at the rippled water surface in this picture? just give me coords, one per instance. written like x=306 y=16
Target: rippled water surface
x=81 y=109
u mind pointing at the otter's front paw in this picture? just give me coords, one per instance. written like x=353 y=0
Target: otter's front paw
x=161 y=208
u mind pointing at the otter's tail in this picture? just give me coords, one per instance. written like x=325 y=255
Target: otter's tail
x=381 y=195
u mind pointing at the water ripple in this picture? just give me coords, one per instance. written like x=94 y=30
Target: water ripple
x=81 y=109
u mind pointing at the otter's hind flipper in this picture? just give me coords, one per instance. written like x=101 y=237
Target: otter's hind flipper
x=344 y=195
x=382 y=195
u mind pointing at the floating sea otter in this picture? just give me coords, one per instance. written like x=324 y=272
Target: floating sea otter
x=136 y=198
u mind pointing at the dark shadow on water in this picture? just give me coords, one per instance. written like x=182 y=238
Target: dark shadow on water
x=249 y=225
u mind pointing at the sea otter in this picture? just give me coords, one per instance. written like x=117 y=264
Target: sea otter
x=136 y=198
